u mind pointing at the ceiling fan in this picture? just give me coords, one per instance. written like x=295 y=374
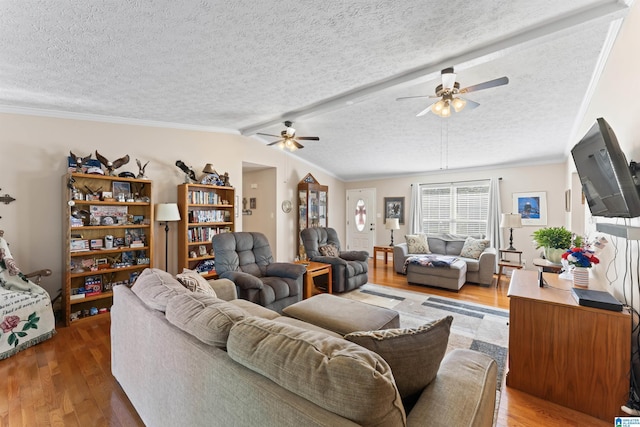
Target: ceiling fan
x=448 y=93
x=289 y=139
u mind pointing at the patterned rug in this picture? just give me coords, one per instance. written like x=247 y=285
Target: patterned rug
x=474 y=326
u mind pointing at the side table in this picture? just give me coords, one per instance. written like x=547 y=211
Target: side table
x=315 y=269
x=547 y=266
x=384 y=249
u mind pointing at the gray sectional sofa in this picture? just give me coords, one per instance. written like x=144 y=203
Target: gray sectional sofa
x=187 y=358
x=464 y=270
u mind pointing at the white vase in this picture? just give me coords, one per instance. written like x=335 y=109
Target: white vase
x=554 y=255
x=581 y=277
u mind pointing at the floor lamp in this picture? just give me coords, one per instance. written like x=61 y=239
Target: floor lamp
x=511 y=221
x=167 y=212
x=392 y=224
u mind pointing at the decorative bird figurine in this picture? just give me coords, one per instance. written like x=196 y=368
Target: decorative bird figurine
x=190 y=174
x=79 y=161
x=112 y=166
x=141 y=169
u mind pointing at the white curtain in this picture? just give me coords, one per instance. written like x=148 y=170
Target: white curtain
x=415 y=214
x=494 y=232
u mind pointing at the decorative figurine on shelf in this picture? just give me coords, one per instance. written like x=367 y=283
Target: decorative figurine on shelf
x=112 y=166
x=210 y=176
x=79 y=161
x=189 y=174
x=225 y=180
x=141 y=169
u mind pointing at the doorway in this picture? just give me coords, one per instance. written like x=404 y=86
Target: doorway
x=258 y=201
x=361 y=219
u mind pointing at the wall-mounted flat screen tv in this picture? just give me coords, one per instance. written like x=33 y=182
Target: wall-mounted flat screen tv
x=607 y=180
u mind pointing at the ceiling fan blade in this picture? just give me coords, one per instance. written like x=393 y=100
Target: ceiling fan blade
x=448 y=80
x=470 y=104
x=268 y=134
x=486 y=85
x=425 y=111
x=308 y=138
x=297 y=144
x=275 y=142
x=417 y=96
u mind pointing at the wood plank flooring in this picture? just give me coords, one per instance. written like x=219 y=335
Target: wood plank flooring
x=66 y=381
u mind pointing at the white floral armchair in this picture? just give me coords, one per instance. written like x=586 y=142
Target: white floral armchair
x=26 y=314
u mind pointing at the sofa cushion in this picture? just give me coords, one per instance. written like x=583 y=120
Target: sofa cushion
x=156 y=287
x=473 y=248
x=330 y=372
x=417 y=244
x=328 y=250
x=193 y=281
x=254 y=309
x=414 y=355
x=205 y=317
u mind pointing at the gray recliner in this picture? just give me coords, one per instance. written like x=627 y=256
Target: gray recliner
x=349 y=268
x=245 y=258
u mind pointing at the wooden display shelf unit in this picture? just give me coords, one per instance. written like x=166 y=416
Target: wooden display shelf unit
x=313 y=209
x=575 y=356
x=95 y=219
x=205 y=210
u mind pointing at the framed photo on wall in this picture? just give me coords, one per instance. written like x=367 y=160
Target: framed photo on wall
x=394 y=208
x=532 y=207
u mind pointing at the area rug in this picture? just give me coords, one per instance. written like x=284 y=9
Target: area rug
x=475 y=326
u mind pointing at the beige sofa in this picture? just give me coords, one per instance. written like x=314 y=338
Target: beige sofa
x=473 y=270
x=230 y=368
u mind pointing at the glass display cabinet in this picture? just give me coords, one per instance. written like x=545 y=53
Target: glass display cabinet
x=312 y=207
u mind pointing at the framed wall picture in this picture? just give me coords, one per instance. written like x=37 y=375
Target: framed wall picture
x=252 y=203
x=394 y=208
x=532 y=207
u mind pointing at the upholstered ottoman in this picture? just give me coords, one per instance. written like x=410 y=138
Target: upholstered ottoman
x=342 y=315
x=451 y=277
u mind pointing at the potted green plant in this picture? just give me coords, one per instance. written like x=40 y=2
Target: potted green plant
x=554 y=240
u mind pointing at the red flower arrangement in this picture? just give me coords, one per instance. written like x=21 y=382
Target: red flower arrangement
x=580 y=257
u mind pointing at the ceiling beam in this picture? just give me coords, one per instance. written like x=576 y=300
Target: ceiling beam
x=606 y=9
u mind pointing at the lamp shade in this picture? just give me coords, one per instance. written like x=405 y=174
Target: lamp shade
x=392 y=224
x=511 y=221
x=167 y=212
x=208 y=168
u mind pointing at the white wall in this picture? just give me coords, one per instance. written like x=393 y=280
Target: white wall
x=34 y=155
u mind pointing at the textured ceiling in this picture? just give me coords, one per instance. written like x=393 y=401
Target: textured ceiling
x=335 y=68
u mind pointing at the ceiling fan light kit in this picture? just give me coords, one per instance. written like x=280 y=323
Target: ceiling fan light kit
x=289 y=140
x=447 y=92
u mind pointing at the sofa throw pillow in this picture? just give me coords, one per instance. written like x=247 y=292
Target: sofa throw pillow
x=325 y=370
x=414 y=354
x=417 y=244
x=205 y=317
x=473 y=248
x=328 y=250
x=193 y=281
x=156 y=287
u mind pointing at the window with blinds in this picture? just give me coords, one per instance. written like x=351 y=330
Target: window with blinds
x=457 y=207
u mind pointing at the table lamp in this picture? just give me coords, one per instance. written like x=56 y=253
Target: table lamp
x=166 y=212
x=511 y=221
x=392 y=224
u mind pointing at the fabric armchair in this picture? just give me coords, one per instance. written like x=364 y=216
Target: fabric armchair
x=349 y=268
x=246 y=259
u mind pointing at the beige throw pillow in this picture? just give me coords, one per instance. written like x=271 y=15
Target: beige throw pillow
x=156 y=287
x=473 y=248
x=417 y=244
x=328 y=250
x=193 y=281
x=414 y=355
